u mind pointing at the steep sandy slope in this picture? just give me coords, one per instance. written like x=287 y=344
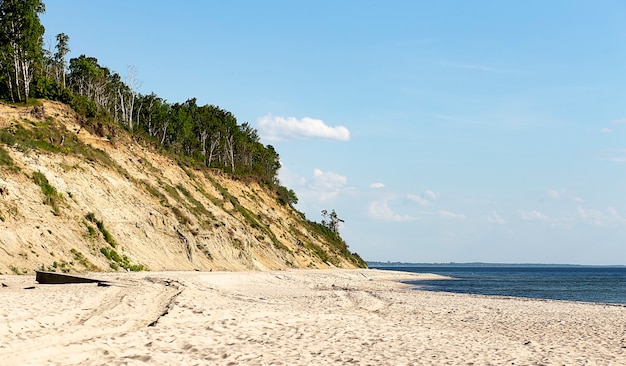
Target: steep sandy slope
x=112 y=204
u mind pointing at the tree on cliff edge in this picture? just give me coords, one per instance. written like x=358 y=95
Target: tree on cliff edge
x=331 y=220
x=21 y=41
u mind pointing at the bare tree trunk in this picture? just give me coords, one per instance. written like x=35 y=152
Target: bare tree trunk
x=16 y=65
x=133 y=85
x=213 y=146
x=231 y=152
x=164 y=132
x=138 y=111
x=203 y=137
x=27 y=75
x=122 y=105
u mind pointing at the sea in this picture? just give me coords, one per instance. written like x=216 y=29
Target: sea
x=598 y=284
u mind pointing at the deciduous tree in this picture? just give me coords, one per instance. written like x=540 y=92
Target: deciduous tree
x=62 y=49
x=21 y=44
x=331 y=220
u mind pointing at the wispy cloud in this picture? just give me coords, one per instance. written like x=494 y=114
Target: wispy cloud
x=451 y=215
x=413 y=42
x=494 y=218
x=377 y=185
x=327 y=184
x=289 y=178
x=608 y=218
x=449 y=118
x=614 y=155
x=380 y=210
x=562 y=195
x=615 y=122
x=320 y=187
x=277 y=128
x=431 y=195
x=533 y=215
x=478 y=67
x=424 y=199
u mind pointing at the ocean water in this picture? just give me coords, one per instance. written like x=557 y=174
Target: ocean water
x=572 y=283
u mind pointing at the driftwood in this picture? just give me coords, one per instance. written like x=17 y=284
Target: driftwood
x=53 y=278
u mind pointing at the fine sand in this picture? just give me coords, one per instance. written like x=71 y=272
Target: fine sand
x=321 y=317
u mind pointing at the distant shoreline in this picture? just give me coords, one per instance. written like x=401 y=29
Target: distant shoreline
x=374 y=264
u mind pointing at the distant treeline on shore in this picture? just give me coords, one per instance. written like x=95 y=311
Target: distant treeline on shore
x=374 y=264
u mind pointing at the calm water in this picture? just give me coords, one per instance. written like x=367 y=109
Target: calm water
x=573 y=283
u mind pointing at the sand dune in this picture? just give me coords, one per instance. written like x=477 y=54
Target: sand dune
x=299 y=317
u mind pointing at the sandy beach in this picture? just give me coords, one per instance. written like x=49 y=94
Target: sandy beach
x=301 y=317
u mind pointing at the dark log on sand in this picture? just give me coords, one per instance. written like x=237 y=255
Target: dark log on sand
x=53 y=278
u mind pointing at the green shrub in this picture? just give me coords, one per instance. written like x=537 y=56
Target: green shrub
x=7 y=138
x=6 y=160
x=92 y=231
x=117 y=261
x=78 y=256
x=52 y=197
x=105 y=233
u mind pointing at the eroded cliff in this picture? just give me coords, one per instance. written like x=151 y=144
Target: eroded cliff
x=71 y=200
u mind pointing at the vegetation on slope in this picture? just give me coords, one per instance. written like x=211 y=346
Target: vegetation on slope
x=201 y=137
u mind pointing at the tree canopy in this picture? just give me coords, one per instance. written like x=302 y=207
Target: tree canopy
x=202 y=134
x=21 y=45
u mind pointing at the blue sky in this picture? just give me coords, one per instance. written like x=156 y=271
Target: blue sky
x=440 y=131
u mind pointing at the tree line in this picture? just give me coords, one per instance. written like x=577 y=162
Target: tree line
x=204 y=134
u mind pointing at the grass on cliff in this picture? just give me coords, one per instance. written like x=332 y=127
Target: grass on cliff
x=51 y=196
x=91 y=217
x=337 y=245
x=116 y=260
x=247 y=215
x=7 y=161
x=53 y=137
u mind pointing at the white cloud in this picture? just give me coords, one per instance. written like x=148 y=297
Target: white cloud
x=554 y=193
x=418 y=199
x=377 y=185
x=424 y=199
x=451 y=215
x=610 y=218
x=494 y=218
x=380 y=210
x=322 y=186
x=533 y=215
x=615 y=122
x=326 y=185
x=289 y=178
x=325 y=181
x=615 y=155
x=277 y=128
x=562 y=195
x=430 y=194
